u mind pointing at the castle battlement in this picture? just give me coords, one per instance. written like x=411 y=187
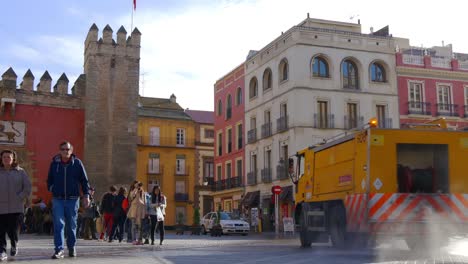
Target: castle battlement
x=107 y=45
x=24 y=93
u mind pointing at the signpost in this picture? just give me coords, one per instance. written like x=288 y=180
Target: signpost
x=276 y=190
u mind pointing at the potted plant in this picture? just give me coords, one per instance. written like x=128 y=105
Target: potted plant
x=217 y=229
x=196 y=228
x=180 y=228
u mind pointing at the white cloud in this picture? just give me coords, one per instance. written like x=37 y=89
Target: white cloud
x=64 y=50
x=25 y=53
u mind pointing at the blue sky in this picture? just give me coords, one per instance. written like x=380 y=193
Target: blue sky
x=187 y=45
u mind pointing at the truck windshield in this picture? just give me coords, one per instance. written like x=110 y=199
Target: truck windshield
x=422 y=168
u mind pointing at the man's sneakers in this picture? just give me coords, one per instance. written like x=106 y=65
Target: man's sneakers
x=58 y=254
x=3 y=256
x=72 y=252
x=13 y=252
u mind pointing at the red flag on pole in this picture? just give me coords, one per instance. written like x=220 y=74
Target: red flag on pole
x=134 y=4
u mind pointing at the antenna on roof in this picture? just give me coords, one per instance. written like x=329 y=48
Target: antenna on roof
x=143 y=83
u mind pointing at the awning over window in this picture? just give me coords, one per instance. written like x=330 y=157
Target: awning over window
x=251 y=199
x=287 y=194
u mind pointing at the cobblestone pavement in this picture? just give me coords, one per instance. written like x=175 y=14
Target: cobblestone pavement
x=265 y=248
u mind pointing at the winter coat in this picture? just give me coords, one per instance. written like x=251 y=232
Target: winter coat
x=15 y=188
x=65 y=179
x=137 y=210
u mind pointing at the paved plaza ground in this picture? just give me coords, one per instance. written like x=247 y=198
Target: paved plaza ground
x=255 y=248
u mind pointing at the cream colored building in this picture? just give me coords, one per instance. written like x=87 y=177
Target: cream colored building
x=315 y=81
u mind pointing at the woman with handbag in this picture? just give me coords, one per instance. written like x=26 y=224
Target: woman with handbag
x=157 y=213
x=137 y=211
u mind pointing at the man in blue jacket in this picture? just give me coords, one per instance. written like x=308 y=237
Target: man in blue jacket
x=66 y=175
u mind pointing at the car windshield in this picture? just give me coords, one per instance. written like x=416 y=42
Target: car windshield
x=226 y=216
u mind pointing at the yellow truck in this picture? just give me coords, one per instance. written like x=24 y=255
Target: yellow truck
x=411 y=183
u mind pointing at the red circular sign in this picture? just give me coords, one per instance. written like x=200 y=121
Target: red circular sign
x=276 y=189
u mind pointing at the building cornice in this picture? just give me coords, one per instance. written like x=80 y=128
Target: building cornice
x=344 y=91
x=431 y=73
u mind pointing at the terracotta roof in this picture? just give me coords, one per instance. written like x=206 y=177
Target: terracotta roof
x=161 y=103
x=203 y=117
x=161 y=108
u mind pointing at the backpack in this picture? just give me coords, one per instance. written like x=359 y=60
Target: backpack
x=125 y=205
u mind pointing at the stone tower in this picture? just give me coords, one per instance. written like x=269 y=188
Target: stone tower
x=110 y=102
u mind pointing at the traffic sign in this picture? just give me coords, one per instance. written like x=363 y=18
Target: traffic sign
x=276 y=189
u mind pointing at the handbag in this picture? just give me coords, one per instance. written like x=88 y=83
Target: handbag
x=159 y=214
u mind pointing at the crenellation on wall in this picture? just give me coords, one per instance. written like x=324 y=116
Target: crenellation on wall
x=61 y=87
x=45 y=83
x=28 y=81
x=43 y=96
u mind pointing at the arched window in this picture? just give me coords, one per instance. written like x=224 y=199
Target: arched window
x=267 y=82
x=220 y=107
x=320 y=67
x=253 y=88
x=377 y=72
x=228 y=107
x=239 y=96
x=350 y=75
x=283 y=70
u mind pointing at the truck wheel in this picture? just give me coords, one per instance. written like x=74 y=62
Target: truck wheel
x=305 y=235
x=338 y=227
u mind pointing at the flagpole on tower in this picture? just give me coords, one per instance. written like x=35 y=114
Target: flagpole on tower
x=133 y=10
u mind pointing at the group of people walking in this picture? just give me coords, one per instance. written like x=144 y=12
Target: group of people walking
x=68 y=183
x=133 y=212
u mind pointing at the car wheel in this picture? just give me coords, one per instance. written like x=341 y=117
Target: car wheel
x=204 y=230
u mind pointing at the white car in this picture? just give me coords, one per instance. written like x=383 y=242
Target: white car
x=229 y=225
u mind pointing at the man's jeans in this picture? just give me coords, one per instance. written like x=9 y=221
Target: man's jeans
x=65 y=214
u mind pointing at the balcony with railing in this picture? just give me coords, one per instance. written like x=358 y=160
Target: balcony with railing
x=282 y=172
x=228 y=183
x=155 y=170
x=181 y=170
x=442 y=62
x=181 y=197
x=165 y=142
x=419 y=108
x=282 y=124
x=413 y=59
x=252 y=136
x=384 y=123
x=252 y=178
x=447 y=110
x=351 y=122
x=209 y=181
x=266 y=130
x=266 y=175
x=324 y=121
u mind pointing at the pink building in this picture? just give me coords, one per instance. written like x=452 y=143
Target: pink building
x=229 y=143
x=433 y=83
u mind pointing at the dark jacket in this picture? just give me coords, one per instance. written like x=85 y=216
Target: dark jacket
x=65 y=179
x=15 y=188
x=118 y=209
x=107 y=203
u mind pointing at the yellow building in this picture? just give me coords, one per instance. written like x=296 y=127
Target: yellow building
x=166 y=154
